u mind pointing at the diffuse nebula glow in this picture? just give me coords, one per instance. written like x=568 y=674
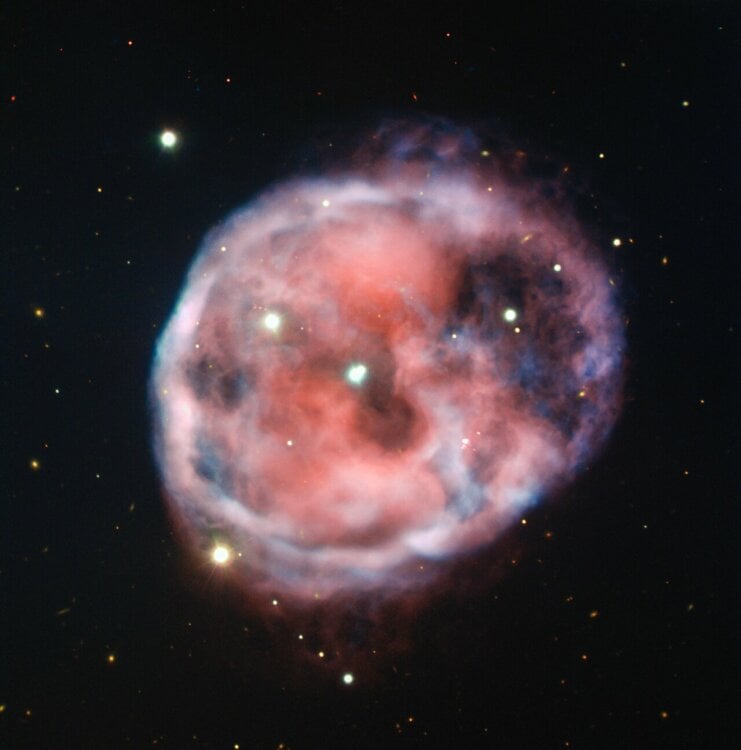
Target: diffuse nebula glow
x=373 y=369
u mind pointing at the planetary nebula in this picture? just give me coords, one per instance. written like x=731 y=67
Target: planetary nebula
x=372 y=369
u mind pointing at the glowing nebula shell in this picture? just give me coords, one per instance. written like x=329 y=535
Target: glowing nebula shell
x=374 y=368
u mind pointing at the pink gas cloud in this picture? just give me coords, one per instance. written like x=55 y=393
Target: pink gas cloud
x=380 y=367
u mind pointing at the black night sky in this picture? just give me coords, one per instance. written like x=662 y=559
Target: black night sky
x=616 y=625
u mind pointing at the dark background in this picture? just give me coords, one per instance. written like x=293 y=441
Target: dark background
x=647 y=539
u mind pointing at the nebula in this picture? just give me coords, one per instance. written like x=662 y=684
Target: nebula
x=382 y=366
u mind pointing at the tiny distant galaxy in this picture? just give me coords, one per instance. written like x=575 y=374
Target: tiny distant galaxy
x=377 y=368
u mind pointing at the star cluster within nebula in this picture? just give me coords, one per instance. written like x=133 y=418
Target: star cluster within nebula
x=378 y=368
